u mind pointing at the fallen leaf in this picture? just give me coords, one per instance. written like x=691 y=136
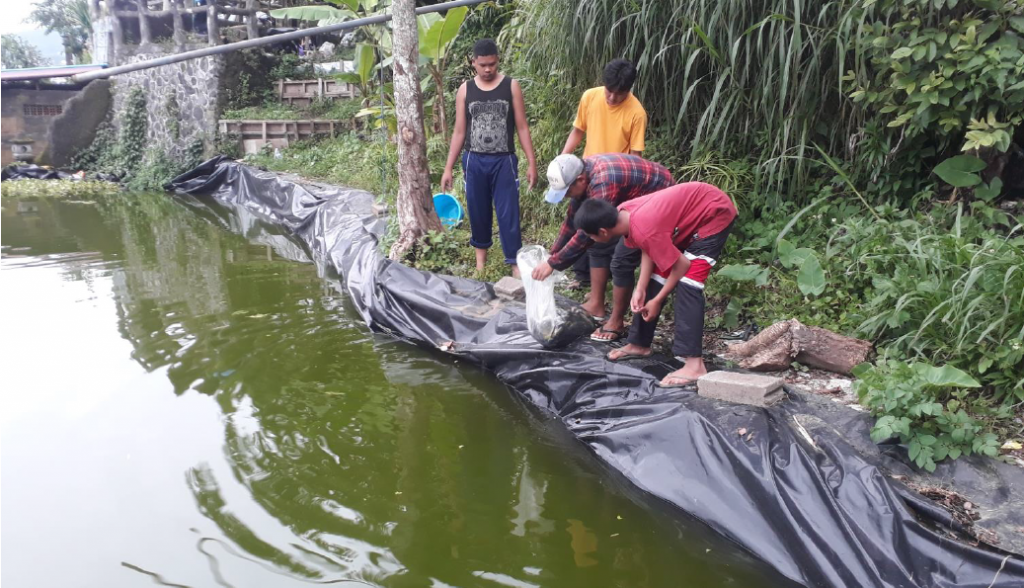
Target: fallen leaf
x=1011 y=446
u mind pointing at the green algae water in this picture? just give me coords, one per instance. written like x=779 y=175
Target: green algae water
x=184 y=407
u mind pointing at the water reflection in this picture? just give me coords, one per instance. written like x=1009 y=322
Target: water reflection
x=322 y=453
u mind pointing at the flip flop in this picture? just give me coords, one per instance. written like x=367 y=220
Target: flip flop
x=628 y=356
x=618 y=334
x=684 y=384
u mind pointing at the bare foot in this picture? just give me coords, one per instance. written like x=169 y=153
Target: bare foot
x=630 y=351
x=687 y=374
x=515 y=272
x=593 y=309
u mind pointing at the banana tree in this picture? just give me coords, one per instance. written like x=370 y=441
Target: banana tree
x=436 y=35
x=363 y=76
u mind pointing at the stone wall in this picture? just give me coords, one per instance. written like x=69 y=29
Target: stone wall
x=181 y=99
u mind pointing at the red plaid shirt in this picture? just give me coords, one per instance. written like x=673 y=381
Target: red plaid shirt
x=615 y=177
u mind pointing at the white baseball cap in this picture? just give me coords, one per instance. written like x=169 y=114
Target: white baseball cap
x=562 y=172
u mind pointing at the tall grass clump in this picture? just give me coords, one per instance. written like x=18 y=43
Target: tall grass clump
x=870 y=81
x=736 y=77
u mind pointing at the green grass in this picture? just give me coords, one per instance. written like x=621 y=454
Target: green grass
x=339 y=109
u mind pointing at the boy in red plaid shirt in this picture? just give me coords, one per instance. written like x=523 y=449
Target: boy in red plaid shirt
x=615 y=178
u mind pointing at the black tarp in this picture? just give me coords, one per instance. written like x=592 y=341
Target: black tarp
x=31 y=171
x=803 y=489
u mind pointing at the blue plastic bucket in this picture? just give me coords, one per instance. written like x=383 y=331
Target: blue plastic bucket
x=448 y=209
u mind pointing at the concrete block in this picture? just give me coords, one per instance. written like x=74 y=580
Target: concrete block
x=510 y=288
x=752 y=389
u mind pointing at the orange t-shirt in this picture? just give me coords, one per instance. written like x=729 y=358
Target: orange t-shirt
x=610 y=129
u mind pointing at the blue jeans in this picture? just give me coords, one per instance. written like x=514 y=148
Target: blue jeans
x=492 y=183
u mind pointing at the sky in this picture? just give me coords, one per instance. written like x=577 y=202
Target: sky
x=13 y=22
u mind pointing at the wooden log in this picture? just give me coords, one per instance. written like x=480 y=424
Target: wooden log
x=779 y=345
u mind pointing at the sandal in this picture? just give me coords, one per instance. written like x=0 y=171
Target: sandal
x=618 y=334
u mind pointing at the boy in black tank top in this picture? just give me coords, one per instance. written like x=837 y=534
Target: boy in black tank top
x=488 y=108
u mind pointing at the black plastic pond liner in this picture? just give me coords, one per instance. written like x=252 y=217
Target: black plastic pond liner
x=30 y=171
x=803 y=488
x=34 y=172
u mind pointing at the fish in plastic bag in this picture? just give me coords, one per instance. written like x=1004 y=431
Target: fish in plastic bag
x=551 y=324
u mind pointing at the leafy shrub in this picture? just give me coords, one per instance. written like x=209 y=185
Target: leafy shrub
x=937 y=76
x=119 y=151
x=923 y=405
x=945 y=293
x=439 y=251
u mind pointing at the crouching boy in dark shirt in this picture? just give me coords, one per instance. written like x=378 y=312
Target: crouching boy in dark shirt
x=681 y=231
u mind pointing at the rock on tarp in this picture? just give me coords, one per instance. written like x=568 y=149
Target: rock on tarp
x=803 y=490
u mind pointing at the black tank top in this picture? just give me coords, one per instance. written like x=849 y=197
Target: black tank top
x=490 y=119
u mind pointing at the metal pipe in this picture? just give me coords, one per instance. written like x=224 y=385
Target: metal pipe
x=249 y=43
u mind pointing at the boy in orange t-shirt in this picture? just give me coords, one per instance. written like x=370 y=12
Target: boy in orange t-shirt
x=611 y=117
x=613 y=121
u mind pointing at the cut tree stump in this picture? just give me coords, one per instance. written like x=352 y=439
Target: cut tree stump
x=776 y=347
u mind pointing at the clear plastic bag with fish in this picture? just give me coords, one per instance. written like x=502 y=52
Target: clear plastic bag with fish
x=551 y=324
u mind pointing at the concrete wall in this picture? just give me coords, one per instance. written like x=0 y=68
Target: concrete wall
x=75 y=128
x=181 y=98
x=25 y=117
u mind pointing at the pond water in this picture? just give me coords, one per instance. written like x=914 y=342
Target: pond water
x=183 y=407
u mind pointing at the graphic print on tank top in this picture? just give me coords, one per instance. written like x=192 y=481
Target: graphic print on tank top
x=489 y=132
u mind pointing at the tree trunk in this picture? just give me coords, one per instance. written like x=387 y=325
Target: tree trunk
x=179 y=28
x=212 y=24
x=415 y=207
x=251 y=22
x=779 y=345
x=118 y=36
x=144 y=33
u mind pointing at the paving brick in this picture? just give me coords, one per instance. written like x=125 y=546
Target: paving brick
x=752 y=389
x=510 y=288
